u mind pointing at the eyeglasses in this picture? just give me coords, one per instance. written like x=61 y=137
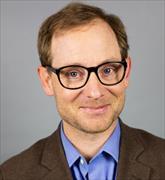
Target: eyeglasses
x=75 y=76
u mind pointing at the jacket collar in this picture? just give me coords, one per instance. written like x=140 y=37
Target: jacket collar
x=131 y=148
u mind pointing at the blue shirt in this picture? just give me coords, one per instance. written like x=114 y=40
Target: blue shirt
x=102 y=166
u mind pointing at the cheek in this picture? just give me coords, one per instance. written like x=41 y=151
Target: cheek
x=66 y=103
x=117 y=99
x=117 y=90
x=64 y=96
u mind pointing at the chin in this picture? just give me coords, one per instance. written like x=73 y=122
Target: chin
x=97 y=125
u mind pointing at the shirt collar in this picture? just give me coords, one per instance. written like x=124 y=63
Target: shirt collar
x=70 y=151
x=111 y=146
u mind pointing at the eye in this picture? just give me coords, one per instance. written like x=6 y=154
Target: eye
x=72 y=74
x=107 y=71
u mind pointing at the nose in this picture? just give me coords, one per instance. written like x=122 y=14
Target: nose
x=93 y=89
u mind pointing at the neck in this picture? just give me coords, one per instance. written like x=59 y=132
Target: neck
x=88 y=144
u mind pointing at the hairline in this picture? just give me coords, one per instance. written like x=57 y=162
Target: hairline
x=58 y=32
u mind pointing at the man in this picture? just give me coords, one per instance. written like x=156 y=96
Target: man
x=85 y=65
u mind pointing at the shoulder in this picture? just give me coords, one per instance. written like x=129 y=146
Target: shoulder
x=141 y=153
x=153 y=145
x=25 y=163
x=146 y=138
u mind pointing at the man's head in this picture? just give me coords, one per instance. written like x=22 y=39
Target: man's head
x=85 y=37
x=72 y=16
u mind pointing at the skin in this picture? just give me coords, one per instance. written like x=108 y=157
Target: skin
x=89 y=114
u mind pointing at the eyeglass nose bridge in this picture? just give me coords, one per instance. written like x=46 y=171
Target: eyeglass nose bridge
x=90 y=70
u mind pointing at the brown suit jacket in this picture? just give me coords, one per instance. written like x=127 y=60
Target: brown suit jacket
x=142 y=157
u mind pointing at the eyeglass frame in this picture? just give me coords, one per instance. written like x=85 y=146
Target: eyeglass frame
x=89 y=70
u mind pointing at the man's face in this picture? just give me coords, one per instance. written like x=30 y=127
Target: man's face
x=94 y=107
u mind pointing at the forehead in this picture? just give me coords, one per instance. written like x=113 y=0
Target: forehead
x=87 y=45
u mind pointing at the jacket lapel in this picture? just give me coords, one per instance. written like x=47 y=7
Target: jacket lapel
x=54 y=159
x=131 y=148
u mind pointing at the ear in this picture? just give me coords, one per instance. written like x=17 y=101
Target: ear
x=128 y=70
x=45 y=80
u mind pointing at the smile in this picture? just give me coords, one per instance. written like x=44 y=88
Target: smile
x=95 y=110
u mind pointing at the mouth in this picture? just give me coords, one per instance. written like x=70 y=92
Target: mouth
x=95 y=110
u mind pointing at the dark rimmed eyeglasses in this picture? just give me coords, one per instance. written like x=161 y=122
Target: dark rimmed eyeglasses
x=74 y=76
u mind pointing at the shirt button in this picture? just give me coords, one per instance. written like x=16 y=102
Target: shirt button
x=81 y=161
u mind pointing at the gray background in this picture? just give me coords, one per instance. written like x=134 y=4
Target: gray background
x=28 y=115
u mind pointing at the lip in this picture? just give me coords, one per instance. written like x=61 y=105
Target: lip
x=95 y=110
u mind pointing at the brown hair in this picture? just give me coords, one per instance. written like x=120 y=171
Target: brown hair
x=74 y=15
